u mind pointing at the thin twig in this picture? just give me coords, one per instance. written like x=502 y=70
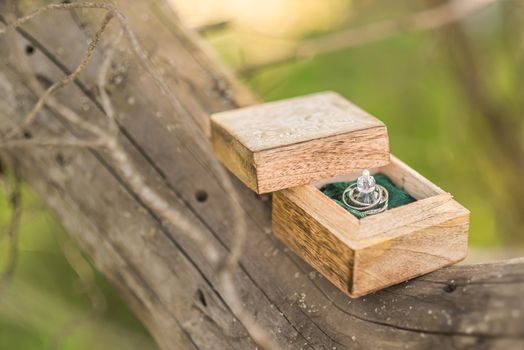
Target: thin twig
x=238 y=242
x=136 y=181
x=213 y=27
x=61 y=6
x=240 y=234
x=109 y=140
x=157 y=202
x=493 y=120
x=60 y=84
x=15 y=199
x=438 y=16
x=102 y=81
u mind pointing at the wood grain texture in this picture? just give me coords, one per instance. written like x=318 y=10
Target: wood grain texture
x=312 y=241
x=384 y=249
x=163 y=275
x=234 y=155
x=295 y=120
x=297 y=141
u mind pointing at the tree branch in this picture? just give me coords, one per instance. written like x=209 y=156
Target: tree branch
x=436 y=17
x=14 y=196
x=128 y=170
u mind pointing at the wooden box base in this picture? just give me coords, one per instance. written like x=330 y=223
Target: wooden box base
x=362 y=256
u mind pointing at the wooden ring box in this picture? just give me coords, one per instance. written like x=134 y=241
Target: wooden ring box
x=293 y=147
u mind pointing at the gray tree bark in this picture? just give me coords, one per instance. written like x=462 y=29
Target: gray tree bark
x=162 y=274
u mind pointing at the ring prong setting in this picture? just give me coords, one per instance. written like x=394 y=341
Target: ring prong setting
x=365 y=195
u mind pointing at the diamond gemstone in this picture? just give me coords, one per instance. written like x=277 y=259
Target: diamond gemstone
x=366 y=183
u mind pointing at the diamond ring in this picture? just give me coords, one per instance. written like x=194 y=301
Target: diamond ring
x=366 y=195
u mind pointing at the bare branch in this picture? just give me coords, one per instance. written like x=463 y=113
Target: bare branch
x=213 y=27
x=438 y=16
x=15 y=198
x=70 y=115
x=61 y=6
x=102 y=79
x=60 y=84
x=133 y=177
x=240 y=235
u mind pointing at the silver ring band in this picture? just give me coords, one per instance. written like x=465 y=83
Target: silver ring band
x=378 y=206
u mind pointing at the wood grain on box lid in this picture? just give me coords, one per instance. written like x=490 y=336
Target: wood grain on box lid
x=291 y=121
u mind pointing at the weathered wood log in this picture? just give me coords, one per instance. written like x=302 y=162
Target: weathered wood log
x=163 y=275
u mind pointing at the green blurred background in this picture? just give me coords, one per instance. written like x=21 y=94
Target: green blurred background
x=451 y=97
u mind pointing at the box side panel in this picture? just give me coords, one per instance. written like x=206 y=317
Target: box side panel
x=410 y=180
x=312 y=241
x=306 y=162
x=235 y=156
x=410 y=255
x=397 y=221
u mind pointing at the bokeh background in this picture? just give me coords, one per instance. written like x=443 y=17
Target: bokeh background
x=452 y=97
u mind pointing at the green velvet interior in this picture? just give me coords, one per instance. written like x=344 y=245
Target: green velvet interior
x=397 y=196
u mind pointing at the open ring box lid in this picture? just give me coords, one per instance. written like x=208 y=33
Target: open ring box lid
x=293 y=147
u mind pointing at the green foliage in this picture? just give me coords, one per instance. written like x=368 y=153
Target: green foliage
x=46 y=304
